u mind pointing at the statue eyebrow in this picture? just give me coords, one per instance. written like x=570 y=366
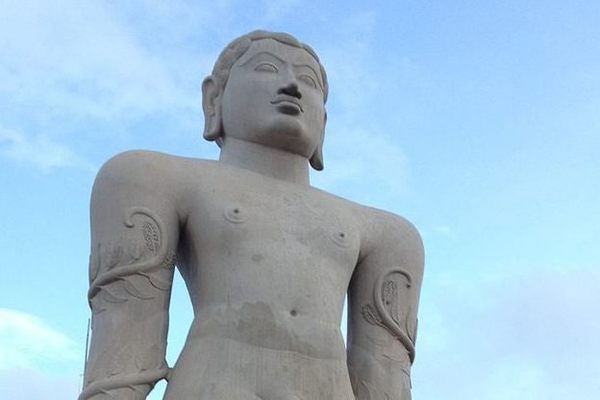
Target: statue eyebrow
x=263 y=54
x=274 y=57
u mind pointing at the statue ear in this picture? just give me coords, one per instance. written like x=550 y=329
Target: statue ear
x=211 y=105
x=316 y=160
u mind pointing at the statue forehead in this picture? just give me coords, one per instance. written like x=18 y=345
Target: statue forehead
x=285 y=52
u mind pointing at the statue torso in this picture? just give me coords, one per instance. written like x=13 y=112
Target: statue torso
x=267 y=264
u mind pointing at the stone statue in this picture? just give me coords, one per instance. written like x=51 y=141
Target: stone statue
x=267 y=259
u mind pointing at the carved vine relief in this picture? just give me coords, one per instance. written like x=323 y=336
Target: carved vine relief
x=385 y=309
x=121 y=271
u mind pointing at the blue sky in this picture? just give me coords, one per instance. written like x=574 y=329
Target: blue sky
x=478 y=121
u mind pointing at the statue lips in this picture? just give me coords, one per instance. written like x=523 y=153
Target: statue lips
x=288 y=105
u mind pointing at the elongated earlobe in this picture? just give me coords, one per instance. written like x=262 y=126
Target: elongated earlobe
x=316 y=160
x=211 y=105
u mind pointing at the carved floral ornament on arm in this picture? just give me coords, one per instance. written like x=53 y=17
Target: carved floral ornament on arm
x=118 y=272
x=137 y=266
x=385 y=309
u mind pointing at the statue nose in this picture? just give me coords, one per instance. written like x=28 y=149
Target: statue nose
x=290 y=89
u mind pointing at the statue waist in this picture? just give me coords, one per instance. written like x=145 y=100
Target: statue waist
x=261 y=326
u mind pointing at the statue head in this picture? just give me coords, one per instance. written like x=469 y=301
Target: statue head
x=273 y=68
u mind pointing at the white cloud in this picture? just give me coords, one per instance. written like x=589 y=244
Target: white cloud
x=363 y=160
x=443 y=230
x=40 y=151
x=27 y=384
x=76 y=59
x=515 y=378
x=275 y=10
x=532 y=334
x=26 y=342
x=351 y=65
x=73 y=70
x=363 y=164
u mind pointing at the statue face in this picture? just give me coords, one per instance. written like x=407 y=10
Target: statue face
x=274 y=97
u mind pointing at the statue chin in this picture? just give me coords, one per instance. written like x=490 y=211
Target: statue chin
x=287 y=133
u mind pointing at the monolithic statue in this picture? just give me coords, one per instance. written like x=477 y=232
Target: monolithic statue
x=267 y=259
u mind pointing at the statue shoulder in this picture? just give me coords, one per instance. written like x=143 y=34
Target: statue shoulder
x=388 y=232
x=144 y=177
x=138 y=165
x=379 y=229
x=150 y=171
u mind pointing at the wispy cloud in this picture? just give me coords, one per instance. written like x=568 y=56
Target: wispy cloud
x=76 y=59
x=362 y=159
x=39 y=151
x=80 y=71
x=532 y=334
x=350 y=64
x=26 y=342
x=443 y=230
x=27 y=384
x=365 y=160
x=275 y=10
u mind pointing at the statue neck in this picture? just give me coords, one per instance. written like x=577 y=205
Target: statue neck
x=275 y=163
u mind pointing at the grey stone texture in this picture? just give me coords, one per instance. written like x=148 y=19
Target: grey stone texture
x=267 y=259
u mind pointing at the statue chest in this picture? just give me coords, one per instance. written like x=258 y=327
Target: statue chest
x=294 y=250
x=275 y=220
x=243 y=238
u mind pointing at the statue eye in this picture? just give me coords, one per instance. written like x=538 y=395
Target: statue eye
x=266 y=67
x=309 y=80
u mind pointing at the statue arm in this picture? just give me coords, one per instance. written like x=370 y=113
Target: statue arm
x=134 y=237
x=383 y=302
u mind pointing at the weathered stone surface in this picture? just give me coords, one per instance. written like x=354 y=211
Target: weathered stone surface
x=267 y=259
